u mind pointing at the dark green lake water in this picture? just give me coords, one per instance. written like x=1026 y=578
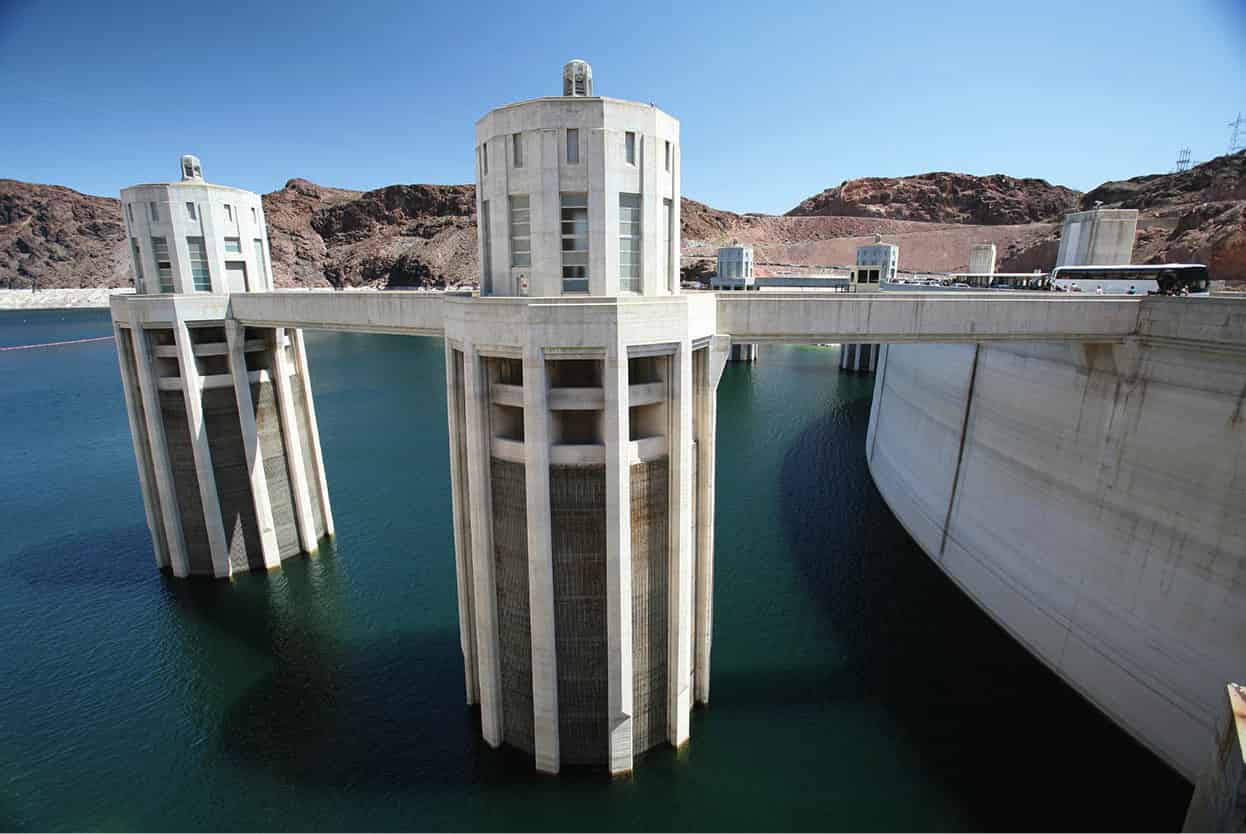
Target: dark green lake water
x=853 y=685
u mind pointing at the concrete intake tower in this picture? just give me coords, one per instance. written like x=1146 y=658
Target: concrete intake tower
x=581 y=416
x=221 y=415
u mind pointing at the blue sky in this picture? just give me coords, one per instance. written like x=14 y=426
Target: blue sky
x=776 y=100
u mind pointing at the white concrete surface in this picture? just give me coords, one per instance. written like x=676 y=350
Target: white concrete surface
x=292 y=432
x=192 y=395
x=609 y=331
x=142 y=449
x=544 y=169
x=219 y=214
x=923 y=317
x=982 y=259
x=536 y=446
x=1103 y=237
x=735 y=268
x=876 y=263
x=240 y=377
x=1089 y=497
x=480 y=512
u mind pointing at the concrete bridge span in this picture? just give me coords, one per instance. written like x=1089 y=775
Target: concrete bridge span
x=796 y=318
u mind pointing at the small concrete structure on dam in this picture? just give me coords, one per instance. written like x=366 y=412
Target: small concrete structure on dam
x=1076 y=463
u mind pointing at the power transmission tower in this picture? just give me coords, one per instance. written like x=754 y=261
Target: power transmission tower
x=1183 y=161
x=1235 y=138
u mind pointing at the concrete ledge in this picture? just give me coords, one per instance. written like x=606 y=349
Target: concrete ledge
x=411 y=313
x=646 y=449
x=585 y=454
x=925 y=317
x=208 y=349
x=576 y=399
x=646 y=393
x=503 y=394
x=174 y=383
x=510 y=450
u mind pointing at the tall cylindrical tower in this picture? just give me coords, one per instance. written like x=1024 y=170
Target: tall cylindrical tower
x=581 y=418
x=221 y=415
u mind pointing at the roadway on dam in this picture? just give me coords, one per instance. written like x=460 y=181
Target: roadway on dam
x=754 y=317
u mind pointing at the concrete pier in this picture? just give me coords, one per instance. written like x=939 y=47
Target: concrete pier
x=857 y=357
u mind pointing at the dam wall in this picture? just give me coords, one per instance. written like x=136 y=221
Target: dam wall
x=1091 y=498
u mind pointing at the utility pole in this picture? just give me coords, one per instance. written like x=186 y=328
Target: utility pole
x=1235 y=138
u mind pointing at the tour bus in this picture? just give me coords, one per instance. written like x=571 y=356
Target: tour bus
x=1142 y=279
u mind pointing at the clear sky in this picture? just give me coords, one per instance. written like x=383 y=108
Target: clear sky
x=777 y=100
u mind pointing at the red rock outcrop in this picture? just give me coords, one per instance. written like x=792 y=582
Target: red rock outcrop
x=51 y=236
x=425 y=235
x=1195 y=216
x=944 y=197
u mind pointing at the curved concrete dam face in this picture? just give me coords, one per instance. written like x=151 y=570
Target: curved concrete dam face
x=1092 y=499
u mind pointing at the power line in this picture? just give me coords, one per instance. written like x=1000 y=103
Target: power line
x=1235 y=138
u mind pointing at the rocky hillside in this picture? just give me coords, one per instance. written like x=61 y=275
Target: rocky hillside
x=425 y=235
x=397 y=236
x=943 y=197
x=52 y=236
x=1195 y=216
x=1222 y=179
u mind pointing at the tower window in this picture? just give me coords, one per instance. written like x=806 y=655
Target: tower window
x=164 y=267
x=517 y=144
x=486 y=249
x=154 y=210
x=129 y=210
x=190 y=211
x=629 y=147
x=484 y=158
x=199 y=272
x=229 y=212
x=521 y=231
x=261 y=263
x=629 y=243
x=573 y=145
x=233 y=245
x=668 y=225
x=574 y=243
x=255 y=219
x=138 y=265
x=668 y=156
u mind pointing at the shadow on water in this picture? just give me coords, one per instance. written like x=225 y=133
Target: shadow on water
x=376 y=716
x=992 y=723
